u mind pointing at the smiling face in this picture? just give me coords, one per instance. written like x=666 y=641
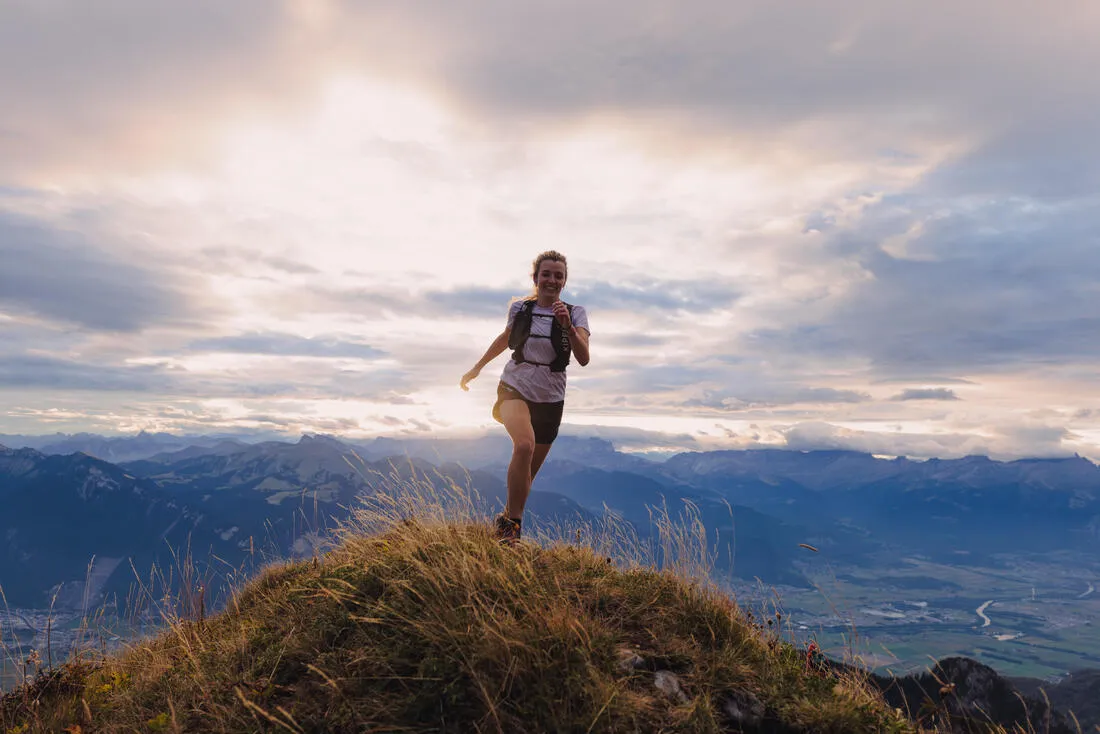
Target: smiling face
x=550 y=279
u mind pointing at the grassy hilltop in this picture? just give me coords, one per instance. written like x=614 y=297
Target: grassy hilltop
x=418 y=621
x=432 y=626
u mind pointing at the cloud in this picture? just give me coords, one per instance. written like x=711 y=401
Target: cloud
x=1038 y=435
x=732 y=75
x=157 y=89
x=28 y=372
x=248 y=377
x=484 y=302
x=295 y=425
x=244 y=261
x=637 y=439
x=933 y=393
x=924 y=380
x=648 y=294
x=36 y=372
x=764 y=218
x=287 y=345
x=853 y=79
x=367 y=302
x=373 y=300
x=656 y=295
x=955 y=286
x=649 y=380
x=638 y=341
x=763 y=396
x=1009 y=442
x=65 y=276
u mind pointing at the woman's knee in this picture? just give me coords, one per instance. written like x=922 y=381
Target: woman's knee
x=523 y=446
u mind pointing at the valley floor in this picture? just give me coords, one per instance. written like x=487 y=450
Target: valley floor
x=54 y=635
x=1035 y=616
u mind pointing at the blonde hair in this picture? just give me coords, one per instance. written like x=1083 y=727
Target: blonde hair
x=552 y=255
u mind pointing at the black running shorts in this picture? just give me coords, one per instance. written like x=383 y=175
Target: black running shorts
x=545 y=417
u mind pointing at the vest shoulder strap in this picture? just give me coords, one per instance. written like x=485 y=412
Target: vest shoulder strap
x=521 y=332
x=521 y=326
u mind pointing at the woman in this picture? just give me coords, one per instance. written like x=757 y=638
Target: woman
x=543 y=332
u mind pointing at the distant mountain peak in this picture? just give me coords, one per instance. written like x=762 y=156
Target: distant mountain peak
x=321 y=439
x=1075 y=459
x=25 y=453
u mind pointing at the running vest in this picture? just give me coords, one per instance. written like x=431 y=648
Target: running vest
x=521 y=332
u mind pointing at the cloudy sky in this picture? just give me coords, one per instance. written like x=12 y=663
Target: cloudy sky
x=847 y=224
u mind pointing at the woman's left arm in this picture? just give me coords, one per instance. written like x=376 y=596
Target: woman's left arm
x=578 y=342
x=578 y=336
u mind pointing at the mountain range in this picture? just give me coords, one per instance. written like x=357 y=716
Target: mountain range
x=86 y=517
x=96 y=529
x=222 y=496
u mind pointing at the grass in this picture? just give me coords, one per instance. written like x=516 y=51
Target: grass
x=417 y=620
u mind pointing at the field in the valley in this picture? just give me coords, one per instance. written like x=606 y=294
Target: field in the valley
x=1033 y=616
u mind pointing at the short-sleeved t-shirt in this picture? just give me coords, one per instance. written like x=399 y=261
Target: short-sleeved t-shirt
x=535 y=381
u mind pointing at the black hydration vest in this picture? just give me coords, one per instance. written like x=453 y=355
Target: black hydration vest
x=521 y=332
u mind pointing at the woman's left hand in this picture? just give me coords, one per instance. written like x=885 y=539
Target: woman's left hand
x=561 y=311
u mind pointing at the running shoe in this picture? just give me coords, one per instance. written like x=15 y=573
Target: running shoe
x=507 y=530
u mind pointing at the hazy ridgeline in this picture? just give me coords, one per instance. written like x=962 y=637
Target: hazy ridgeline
x=694 y=517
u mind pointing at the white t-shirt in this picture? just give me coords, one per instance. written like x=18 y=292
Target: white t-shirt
x=535 y=381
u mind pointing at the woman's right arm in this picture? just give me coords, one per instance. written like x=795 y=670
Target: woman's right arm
x=495 y=349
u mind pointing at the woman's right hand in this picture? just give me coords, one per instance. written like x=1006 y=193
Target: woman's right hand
x=469 y=376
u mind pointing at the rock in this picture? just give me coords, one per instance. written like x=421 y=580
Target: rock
x=745 y=709
x=630 y=660
x=966 y=695
x=668 y=683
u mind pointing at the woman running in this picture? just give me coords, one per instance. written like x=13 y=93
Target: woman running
x=542 y=332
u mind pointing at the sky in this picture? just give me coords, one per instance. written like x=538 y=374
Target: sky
x=855 y=224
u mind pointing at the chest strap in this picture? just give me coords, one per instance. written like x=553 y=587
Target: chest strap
x=521 y=332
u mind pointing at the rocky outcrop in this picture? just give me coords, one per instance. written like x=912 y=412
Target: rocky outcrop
x=1078 y=692
x=963 y=695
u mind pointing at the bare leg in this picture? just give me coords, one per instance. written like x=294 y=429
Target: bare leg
x=517 y=421
x=516 y=501
x=541 y=450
